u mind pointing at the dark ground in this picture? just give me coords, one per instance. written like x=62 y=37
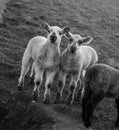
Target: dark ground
x=21 y=21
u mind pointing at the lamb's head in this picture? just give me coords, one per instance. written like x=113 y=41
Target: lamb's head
x=55 y=33
x=75 y=41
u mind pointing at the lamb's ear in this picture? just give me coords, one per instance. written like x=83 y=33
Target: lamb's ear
x=86 y=40
x=46 y=27
x=69 y=35
x=65 y=30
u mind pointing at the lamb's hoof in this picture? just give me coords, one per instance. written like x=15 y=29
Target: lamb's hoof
x=69 y=100
x=87 y=124
x=35 y=96
x=47 y=101
x=56 y=102
x=19 y=88
x=78 y=100
x=68 y=103
x=77 y=97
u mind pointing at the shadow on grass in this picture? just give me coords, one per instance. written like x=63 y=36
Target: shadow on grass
x=18 y=113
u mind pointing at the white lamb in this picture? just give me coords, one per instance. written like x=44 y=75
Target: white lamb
x=76 y=58
x=44 y=54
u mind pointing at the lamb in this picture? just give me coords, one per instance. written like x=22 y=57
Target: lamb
x=43 y=54
x=101 y=81
x=76 y=58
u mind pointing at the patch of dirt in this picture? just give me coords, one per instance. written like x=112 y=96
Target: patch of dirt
x=17 y=112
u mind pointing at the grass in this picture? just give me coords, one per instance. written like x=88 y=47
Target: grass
x=17 y=112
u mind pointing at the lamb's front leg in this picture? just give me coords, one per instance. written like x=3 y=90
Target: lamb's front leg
x=80 y=89
x=72 y=89
x=62 y=78
x=49 y=80
x=38 y=81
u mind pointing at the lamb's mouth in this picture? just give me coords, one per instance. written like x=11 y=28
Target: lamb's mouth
x=53 y=39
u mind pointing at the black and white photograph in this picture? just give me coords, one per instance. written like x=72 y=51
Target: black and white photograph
x=59 y=64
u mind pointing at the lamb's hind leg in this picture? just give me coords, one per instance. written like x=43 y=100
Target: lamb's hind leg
x=26 y=64
x=31 y=78
x=117 y=104
x=89 y=102
x=85 y=99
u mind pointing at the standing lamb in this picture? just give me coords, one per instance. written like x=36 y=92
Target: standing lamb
x=76 y=58
x=45 y=53
x=101 y=80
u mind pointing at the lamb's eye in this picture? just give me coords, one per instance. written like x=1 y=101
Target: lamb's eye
x=80 y=42
x=60 y=33
x=70 y=40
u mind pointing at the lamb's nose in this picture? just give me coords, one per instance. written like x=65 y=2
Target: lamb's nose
x=53 y=37
x=73 y=49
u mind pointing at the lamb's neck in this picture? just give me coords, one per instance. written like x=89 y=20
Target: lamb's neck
x=72 y=57
x=69 y=60
x=52 y=47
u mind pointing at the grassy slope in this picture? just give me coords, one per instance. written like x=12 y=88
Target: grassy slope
x=21 y=21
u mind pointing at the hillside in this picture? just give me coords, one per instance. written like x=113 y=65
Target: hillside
x=21 y=20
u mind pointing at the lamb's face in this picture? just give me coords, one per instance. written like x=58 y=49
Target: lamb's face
x=55 y=33
x=75 y=41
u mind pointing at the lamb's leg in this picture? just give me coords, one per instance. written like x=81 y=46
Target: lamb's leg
x=81 y=80
x=85 y=100
x=26 y=64
x=38 y=81
x=72 y=89
x=49 y=80
x=89 y=102
x=117 y=104
x=62 y=78
x=32 y=72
